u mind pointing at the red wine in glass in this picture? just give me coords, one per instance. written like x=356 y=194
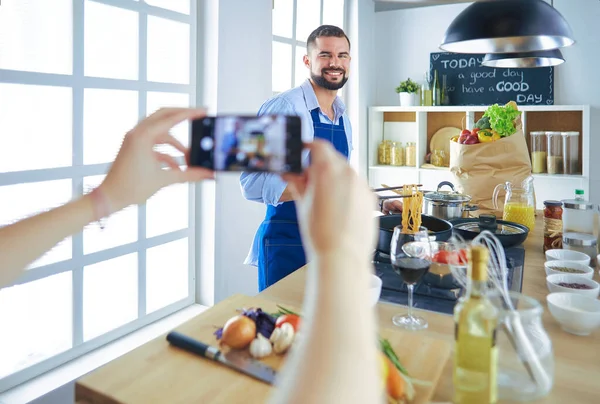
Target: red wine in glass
x=411 y=269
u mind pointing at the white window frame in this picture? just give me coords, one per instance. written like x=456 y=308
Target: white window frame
x=77 y=171
x=302 y=42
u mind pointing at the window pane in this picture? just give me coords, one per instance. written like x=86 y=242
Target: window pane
x=167 y=210
x=301 y=72
x=24 y=200
x=168 y=51
x=167 y=274
x=282 y=66
x=181 y=132
x=113 y=52
x=50 y=129
x=333 y=13
x=181 y=6
x=307 y=18
x=107 y=116
x=283 y=15
x=37 y=36
x=110 y=295
x=36 y=320
x=119 y=228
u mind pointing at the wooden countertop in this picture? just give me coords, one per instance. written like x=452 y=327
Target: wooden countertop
x=577 y=366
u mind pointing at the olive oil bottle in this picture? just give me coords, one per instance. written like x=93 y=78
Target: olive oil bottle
x=476 y=321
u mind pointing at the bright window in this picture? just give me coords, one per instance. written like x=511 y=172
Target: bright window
x=75 y=76
x=293 y=21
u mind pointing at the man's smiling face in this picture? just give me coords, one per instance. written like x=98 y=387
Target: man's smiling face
x=329 y=62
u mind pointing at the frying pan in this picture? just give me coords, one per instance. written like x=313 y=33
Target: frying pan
x=441 y=229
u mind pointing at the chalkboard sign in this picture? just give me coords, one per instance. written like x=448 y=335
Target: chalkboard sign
x=470 y=83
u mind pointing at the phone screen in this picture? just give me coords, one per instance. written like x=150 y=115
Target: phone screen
x=271 y=143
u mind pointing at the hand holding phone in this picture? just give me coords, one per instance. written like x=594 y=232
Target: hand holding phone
x=268 y=143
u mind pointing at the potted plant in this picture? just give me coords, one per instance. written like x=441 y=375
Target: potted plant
x=408 y=93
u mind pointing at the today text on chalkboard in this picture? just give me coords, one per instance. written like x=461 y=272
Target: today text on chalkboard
x=470 y=83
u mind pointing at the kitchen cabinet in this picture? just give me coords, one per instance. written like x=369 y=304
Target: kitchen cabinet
x=419 y=124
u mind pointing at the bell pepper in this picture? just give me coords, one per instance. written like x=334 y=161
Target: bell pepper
x=485 y=136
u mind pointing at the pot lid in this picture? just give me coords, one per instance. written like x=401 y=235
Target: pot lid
x=437 y=196
x=503 y=229
x=489 y=222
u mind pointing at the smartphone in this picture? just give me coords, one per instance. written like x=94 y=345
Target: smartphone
x=269 y=143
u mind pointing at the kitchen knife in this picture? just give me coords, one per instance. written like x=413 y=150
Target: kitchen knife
x=237 y=360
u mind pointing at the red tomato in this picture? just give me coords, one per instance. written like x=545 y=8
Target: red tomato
x=441 y=257
x=291 y=319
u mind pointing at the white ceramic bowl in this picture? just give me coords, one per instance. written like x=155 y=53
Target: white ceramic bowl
x=375 y=289
x=549 y=266
x=576 y=314
x=552 y=281
x=567 y=255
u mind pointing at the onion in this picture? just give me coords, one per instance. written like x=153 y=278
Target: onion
x=238 y=332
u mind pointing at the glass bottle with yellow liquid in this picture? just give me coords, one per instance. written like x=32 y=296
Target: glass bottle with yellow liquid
x=519 y=202
x=476 y=322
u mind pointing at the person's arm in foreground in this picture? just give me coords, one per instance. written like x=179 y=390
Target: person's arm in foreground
x=136 y=174
x=336 y=360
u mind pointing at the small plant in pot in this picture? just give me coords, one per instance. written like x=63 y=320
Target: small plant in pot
x=408 y=93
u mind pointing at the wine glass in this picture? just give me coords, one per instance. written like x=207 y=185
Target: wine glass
x=411 y=269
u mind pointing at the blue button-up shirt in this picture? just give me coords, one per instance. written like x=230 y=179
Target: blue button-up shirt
x=299 y=101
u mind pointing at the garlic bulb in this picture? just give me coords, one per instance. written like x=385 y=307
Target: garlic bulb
x=282 y=338
x=260 y=347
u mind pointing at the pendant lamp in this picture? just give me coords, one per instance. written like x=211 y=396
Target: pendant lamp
x=524 y=60
x=507 y=26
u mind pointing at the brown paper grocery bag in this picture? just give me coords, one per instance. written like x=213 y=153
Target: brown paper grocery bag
x=478 y=168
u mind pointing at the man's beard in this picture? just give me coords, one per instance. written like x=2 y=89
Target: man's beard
x=321 y=81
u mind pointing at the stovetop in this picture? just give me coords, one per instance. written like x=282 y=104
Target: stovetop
x=427 y=297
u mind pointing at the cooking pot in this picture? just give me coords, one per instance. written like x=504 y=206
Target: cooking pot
x=441 y=229
x=447 y=205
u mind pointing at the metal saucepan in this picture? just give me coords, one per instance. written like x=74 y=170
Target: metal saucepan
x=441 y=229
x=447 y=205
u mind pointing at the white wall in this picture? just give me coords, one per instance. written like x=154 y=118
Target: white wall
x=405 y=38
x=237 y=80
x=361 y=84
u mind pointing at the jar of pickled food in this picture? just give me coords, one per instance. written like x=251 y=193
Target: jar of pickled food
x=553 y=225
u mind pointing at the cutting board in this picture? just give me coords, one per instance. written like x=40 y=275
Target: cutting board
x=157 y=372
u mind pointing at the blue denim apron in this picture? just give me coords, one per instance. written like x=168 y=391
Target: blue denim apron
x=281 y=252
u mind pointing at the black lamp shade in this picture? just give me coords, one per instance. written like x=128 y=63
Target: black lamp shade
x=507 y=26
x=524 y=60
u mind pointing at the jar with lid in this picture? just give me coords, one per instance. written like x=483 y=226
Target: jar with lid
x=383 y=153
x=396 y=154
x=553 y=226
x=438 y=158
x=411 y=154
x=538 y=152
x=582 y=242
x=554 y=163
x=570 y=150
x=579 y=215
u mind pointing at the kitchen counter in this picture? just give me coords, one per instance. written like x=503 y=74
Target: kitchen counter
x=152 y=365
x=577 y=364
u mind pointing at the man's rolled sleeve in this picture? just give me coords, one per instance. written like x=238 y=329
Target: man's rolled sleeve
x=265 y=188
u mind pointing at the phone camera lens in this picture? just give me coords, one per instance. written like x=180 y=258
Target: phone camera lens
x=206 y=143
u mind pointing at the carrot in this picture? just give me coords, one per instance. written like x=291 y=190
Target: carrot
x=396 y=385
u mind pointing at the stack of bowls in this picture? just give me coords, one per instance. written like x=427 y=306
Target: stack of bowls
x=574 y=305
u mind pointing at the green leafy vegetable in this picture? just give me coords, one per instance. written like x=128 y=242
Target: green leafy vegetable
x=483 y=123
x=389 y=352
x=502 y=119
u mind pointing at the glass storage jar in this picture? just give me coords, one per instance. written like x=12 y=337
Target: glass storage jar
x=538 y=152
x=582 y=242
x=383 y=153
x=554 y=163
x=396 y=154
x=570 y=150
x=553 y=225
x=525 y=355
x=411 y=154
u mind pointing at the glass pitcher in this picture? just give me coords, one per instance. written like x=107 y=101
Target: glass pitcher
x=519 y=203
x=525 y=356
